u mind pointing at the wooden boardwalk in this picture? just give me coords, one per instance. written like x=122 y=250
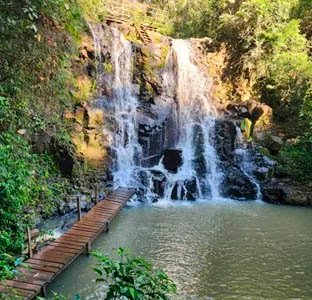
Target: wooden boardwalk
x=54 y=258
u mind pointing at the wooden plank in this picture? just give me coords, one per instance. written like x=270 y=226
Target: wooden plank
x=116 y=200
x=103 y=212
x=66 y=245
x=60 y=254
x=39 y=272
x=29 y=279
x=100 y=217
x=24 y=294
x=70 y=242
x=48 y=264
x=23 y=286
x=87 y=228
x=59 y=248
x=75 y=237
x=114 y=203
x=47 y=252
x=50 y=258
x=109 y=205
x=44 y=268
x=81 y=233
x=88 y=221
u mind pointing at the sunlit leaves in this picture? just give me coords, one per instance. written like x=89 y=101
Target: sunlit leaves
x=132 y=278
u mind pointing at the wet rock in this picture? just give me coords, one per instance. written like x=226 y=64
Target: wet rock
x=273 y=143
x=199 y=144
x=237 y=185
x=159 y=183
x=262 y=173
x=225 y=139
x=285 y=192
x=172 y=160
x=185 y=190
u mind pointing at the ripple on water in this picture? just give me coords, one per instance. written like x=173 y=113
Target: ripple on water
x=213 y=250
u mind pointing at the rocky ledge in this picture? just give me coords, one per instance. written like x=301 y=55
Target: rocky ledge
x=285 y=191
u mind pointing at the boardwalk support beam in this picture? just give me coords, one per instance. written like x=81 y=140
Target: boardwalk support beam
x=79 y=207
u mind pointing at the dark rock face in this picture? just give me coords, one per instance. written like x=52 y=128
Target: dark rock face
x=172 y=159
x=225 y=139
x=63 y=157
x=157 y=132
x=251 y=109
x=242 y=164
x=159 y=183
x=237 y=185
x=285 y=192
x=199 y=160
x=185 y=190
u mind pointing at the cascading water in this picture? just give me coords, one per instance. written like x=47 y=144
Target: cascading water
x=196 y=122
x=191 y=132
x=245 y=162
x=198 y=176
x=125 y=145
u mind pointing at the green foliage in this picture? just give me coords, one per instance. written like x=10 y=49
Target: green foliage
x=27 y=181
x=296 y=161
x=36 y=48
x=132 y=278
x=93 y=10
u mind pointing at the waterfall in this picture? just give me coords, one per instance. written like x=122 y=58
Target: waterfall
x=125 y=145
x=198 y=176
x=196 y=121
x=190 y=167
x=246 y=162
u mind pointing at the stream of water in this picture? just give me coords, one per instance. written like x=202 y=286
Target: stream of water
x=213 y=250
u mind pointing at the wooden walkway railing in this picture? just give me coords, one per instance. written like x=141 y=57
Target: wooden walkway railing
x=33 y=279
x=136 y=13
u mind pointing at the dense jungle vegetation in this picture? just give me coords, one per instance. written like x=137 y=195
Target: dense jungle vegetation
x=269 y=45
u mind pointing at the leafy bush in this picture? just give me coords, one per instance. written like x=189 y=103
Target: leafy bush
x=296 y=160
x=132 y=278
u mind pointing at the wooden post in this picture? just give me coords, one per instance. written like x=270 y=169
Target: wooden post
x=30 y=250
x=96 y=194
x=79 y=208
x=88 y=248
x=44 y=291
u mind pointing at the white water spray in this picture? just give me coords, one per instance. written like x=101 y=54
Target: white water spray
x=126 y=146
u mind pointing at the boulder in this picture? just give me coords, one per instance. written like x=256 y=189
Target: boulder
x=285 y=192
x=237 y=185
x=260 y=114
x=185 y=190
x=273 y=143
x=159 y=183
x=172 y=160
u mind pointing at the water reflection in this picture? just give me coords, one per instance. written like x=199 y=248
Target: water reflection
x=213 y=250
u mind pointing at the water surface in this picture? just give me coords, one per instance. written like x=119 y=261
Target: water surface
x=212 y=250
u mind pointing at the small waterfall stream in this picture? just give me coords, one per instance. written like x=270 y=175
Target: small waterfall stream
x=126 y=146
